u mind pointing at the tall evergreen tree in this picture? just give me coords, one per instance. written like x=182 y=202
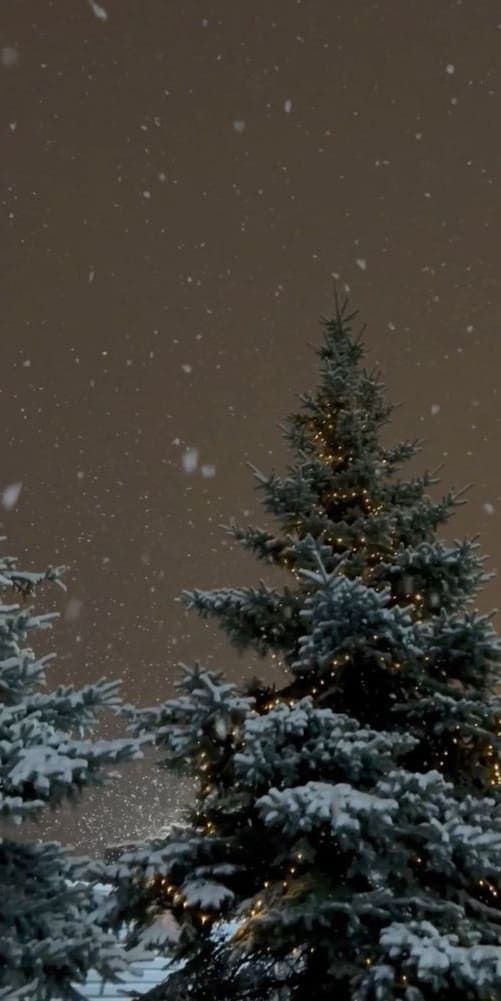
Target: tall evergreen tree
x=49 y=933
x=346 y=833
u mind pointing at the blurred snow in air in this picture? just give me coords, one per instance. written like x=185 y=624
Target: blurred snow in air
x=9 y=56
x=98 y=11
x=73 y=609
x=190 y=460
x=10 y=495
x=208 y=471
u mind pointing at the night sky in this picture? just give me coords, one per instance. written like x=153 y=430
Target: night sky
x=182 y=183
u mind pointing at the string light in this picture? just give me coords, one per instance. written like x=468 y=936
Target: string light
x=488 y=886
x=327 y=454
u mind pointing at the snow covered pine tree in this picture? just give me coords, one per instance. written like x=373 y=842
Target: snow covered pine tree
x=49 y=936
x=345 y=841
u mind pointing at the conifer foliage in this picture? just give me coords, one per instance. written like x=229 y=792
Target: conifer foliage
x=49 y=933
x=345 y=839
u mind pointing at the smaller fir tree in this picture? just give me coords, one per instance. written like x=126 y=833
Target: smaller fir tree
x=50 y=935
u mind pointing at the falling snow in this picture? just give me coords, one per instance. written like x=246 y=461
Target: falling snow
x=208 y=471
x=10 y=495
x=190 y=460
x=183 y=210
x=73 y=610
x=99 y=12
x=9 y=56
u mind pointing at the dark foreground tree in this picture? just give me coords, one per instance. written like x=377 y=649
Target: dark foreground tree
x=345 y=841
x=49 y=935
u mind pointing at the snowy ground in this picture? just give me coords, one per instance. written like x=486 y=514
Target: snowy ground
x=147 y=974
x=148 y=968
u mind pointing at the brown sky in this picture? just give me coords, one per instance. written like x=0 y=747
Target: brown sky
x=179 y=183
